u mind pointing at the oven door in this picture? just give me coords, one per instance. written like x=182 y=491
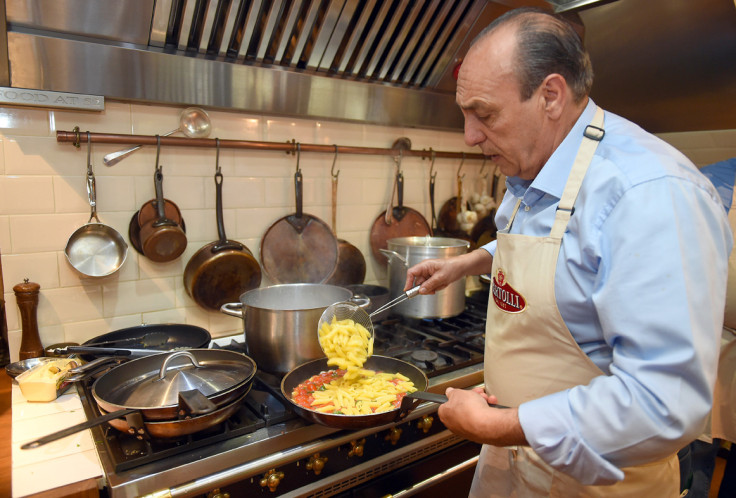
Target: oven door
x=448 y=472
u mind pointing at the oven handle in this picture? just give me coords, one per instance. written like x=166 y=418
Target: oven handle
x=431 y=481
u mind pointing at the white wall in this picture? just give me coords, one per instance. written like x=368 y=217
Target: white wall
x=43 y=200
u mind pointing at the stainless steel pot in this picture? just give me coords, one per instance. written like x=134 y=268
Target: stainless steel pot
x=405 y=252
x=280 y=322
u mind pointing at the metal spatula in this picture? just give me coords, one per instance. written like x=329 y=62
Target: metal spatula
x=349 y=310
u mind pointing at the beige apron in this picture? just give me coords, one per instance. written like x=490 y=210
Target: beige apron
x=530 y=353
x=723 y=420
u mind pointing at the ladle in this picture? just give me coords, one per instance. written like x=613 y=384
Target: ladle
x=193 y=122
x=347 y=310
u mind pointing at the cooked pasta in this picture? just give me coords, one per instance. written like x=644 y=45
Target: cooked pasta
x=370 y=392
x=347 y=345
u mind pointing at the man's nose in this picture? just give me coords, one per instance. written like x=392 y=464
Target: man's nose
x=473 y=135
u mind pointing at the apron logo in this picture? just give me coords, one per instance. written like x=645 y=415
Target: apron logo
x=505 y=296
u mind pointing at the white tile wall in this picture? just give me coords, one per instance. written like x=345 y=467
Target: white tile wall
x=43 y=200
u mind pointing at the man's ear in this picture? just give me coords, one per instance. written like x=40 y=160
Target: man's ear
x=554 y=94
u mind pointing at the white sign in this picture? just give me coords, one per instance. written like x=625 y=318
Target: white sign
x=44 y=98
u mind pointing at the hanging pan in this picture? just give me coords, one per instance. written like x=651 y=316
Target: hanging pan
x=397 y=221
x=299 y=248
x=222 y=270
x=448 y=222
x=162 y=239
x=95 y=249
x=350 y=267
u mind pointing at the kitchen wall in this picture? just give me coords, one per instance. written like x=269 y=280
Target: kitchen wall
x=43 y=200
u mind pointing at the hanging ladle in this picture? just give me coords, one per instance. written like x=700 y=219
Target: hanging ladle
x=193 y=122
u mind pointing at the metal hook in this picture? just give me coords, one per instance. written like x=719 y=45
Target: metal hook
x=218 y=170
x=298 y=153
x=89 y=152
x=432 y=172
x=461 y=167
x=158 y=151
x=334 y=160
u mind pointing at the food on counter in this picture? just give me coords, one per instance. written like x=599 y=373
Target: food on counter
x=372 y=392
x=347 y=345
x=46 y=381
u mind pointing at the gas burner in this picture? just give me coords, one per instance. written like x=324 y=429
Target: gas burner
x=424 y=355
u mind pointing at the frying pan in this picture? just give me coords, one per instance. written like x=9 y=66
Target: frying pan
x=299 y=248
x=397 y=221
x=221 y=271
x=178 y=389
x=350 y=267
x=378 y=363
x=146 y=213
x=95 y=249
x=448 y=224
x=162 y=239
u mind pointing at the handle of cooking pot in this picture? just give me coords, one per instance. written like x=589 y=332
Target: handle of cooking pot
x=77 y=428
x=193 y=403
x=172 y=357
x=361 y=300
x=393 y=254
x=233 y=309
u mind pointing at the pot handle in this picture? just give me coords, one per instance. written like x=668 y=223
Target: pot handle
x=393 y=254
x=361 y=300
x=77 y=428
x=233 y=309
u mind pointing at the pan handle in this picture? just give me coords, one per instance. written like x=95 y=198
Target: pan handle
x=233 y=309
x=439 y=398
x=76 y=428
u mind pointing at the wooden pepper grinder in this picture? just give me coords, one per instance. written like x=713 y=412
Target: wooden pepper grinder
x=26 y=295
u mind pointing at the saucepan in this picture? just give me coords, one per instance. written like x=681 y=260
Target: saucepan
x=95 y=249
x=175 y=394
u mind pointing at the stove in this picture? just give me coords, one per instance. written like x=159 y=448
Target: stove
x=266 y=448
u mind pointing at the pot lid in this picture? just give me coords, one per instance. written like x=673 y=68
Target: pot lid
x=160 y=380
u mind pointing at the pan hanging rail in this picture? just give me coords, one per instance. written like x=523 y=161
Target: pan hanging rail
x=74 y=137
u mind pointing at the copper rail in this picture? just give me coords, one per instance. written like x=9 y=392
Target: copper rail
x=76 y=137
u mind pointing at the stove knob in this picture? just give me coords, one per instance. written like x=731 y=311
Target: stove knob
x=357 y=448
x=425 y=424
x=394 y=433
x=316 y=463
x=272 y=479
x=216 y=493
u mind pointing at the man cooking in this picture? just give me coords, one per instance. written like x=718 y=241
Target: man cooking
x=608 y=280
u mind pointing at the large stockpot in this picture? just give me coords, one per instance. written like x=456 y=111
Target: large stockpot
x=280 y=322
x=405 y=252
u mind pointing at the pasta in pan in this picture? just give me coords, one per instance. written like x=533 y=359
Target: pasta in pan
x=350 y=389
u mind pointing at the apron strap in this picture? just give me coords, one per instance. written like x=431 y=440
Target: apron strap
x=592 y=136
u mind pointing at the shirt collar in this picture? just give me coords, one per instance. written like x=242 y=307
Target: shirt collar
x=553 y=175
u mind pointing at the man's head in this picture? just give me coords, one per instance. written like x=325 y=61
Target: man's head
x=522 y=86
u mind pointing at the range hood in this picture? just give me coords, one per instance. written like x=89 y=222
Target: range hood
x=389 y=62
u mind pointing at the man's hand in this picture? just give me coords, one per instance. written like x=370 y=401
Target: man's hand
x=468 y=414
x=435 y=274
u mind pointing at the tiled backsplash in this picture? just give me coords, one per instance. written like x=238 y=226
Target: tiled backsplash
x=43 y=200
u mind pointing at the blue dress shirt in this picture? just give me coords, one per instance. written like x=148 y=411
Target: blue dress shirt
x=640 y=283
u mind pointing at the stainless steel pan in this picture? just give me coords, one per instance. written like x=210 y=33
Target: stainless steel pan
x=95 y=249
x=177 y=389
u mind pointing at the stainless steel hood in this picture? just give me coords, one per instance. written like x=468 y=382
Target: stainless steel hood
x=667 y=64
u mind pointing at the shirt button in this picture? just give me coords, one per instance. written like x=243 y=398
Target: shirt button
x=526 y=208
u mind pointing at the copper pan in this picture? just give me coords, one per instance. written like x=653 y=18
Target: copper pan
x=298 y=248
x=397 y=221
